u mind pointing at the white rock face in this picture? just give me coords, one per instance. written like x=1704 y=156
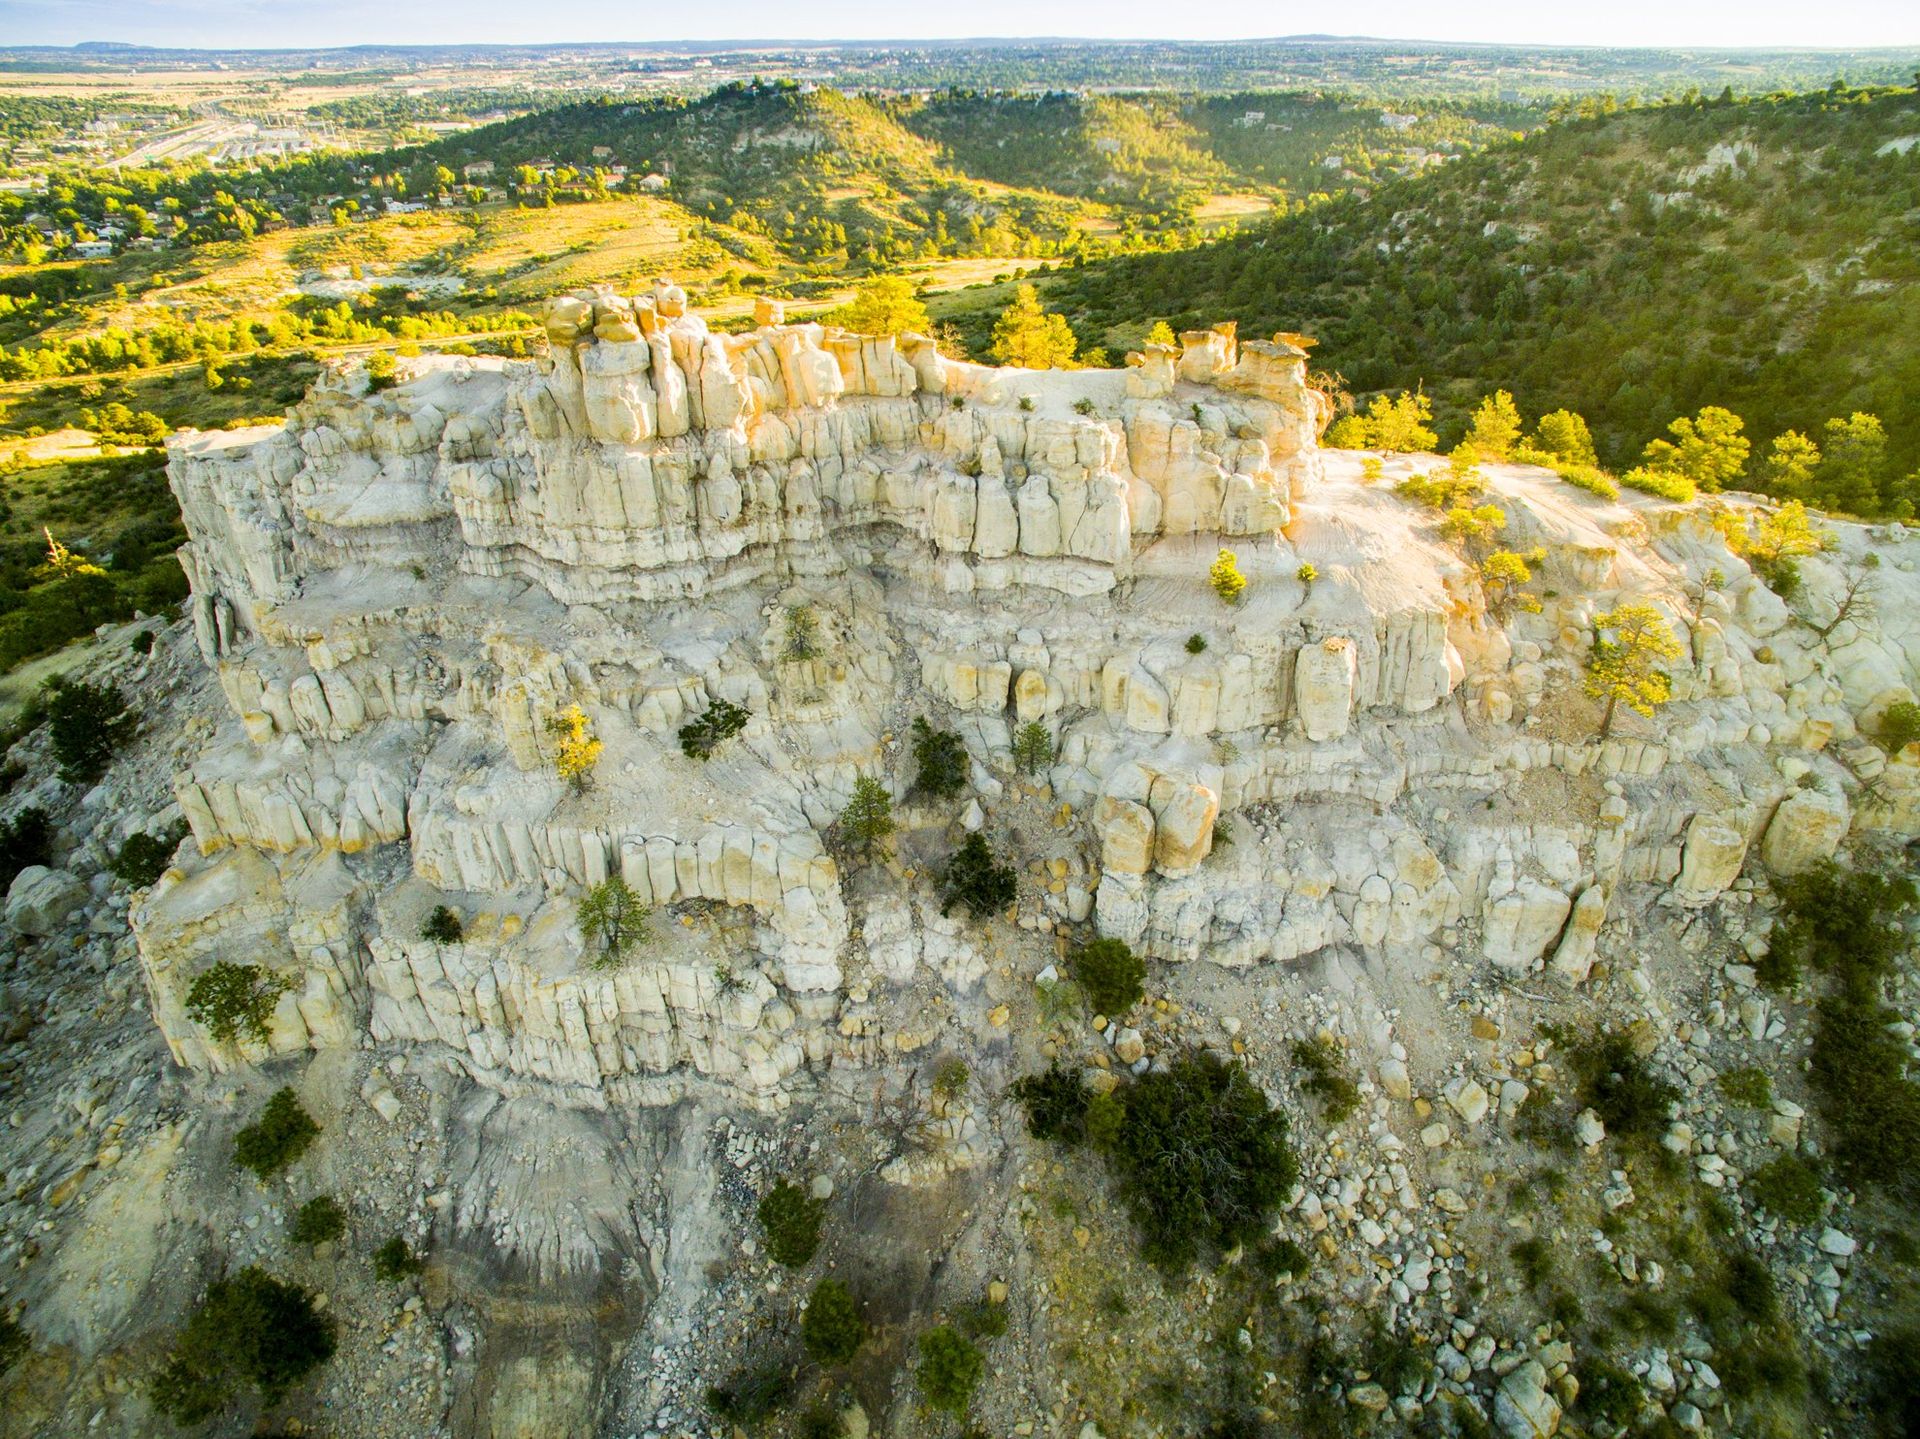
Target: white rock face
x=398 y=592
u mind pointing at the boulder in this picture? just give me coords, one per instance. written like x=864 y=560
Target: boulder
x=41 y=900
x=1521 y=923
x=1522 y=1407
x=1573 y=956
x=1126 y=837
x=1806 y=829
x=1710 y=859
x=1183 y=833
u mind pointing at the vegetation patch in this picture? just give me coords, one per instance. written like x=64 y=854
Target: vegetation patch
x=251 y=1332
x=283 y=1132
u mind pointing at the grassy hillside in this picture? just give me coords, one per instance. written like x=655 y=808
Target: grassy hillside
x=1763 y=255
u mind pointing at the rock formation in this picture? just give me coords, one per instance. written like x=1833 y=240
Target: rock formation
x=399 y=590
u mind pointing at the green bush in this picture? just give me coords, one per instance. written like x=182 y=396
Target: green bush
x=1200 y=1158
x=1899 y=726
x=318 y=1221
x=791 y=1218
x=281 y=1134
x=1610 y=1396
x=89 y=723
x=1789 y=1187
x=395 y=1260
x=25 y=839
x=251 y=1330
x=442 y=926
x=144 y=857
x=1617 y=1085
x=972 y=878
x=612 y=921
x=1892 y=1397
x=230 y=999
x=1749 y=1284
x=1750 y=1088
x=142 y=642
x=1196 y=644
x=1056 y=1104
x=718 y=723
x=14 y=1342
x=950 y=1370
x=940 y=761
x=1324 y=1075
x=982 y=1319
x=751 y=1396
x=832 y=1328
x=1664 y=483
x=1110 y=973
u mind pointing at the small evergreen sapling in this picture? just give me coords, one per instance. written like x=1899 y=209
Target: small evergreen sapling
x=283 y=1132
x=868 y=817
x=950 y=1370
x=395 y=1260
x=1032 y=747
x=791 y=1218
x=940 y=761
x=612 y=920
x=251 y=1330
x=718 y=723
x=832 y=1328
x=442 y=926
x=972 y=878
x=1226 y=579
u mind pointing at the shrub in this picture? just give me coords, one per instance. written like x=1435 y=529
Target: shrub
x=383 y=372
x=89 y=724
x=940 y=761
x=14 y=1342
x=832 y=1328
x=1664 y=483
x=25 y=839
x=1750 y=1088
x=612 y=920
x=1893 y=1399
x=1617 y=1085
x=442 y=926
x=283 y=1132
x=1032 y=747
x=1610 y=1396
x=1226 y=579
x=142 y=642
x=1307 y=573
x=1324 y=1075
x=951 y=1078
x=1282 y=1256
x=972 y=878
x=791 y=1218
x=1201 y=1159
x=143 y=857
x=1111 y=974
x=318 y=1221
x=718 y=723
x=751 y=1396
x=1749 y=1284
x=803 y=634
x=1442 y=490
x=1591 y=478
x=868 y=817
x=982 y=1319
x=1056 y=1104
x=252 y=1330
x=395 y=1260
x=950 y=1370
x=1196 y=644
x=1846 y=922
x=1899 y=726
x=1083 y=406
x=229 y=999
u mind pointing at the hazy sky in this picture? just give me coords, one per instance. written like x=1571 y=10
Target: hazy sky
x=236 y=23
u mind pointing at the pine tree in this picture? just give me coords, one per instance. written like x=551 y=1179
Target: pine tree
x=1495 y=429
x=1032 y=747
x=868 y=817
x=1028 y=336
x=1627 y=665
x=612 y=920
x=1225 y=577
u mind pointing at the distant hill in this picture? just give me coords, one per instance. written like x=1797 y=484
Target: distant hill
x=1635 y=265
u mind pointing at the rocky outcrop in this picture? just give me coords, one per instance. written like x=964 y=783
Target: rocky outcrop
x=398 y=591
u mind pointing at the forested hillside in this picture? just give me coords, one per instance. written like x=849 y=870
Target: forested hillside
x=1633 y=266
